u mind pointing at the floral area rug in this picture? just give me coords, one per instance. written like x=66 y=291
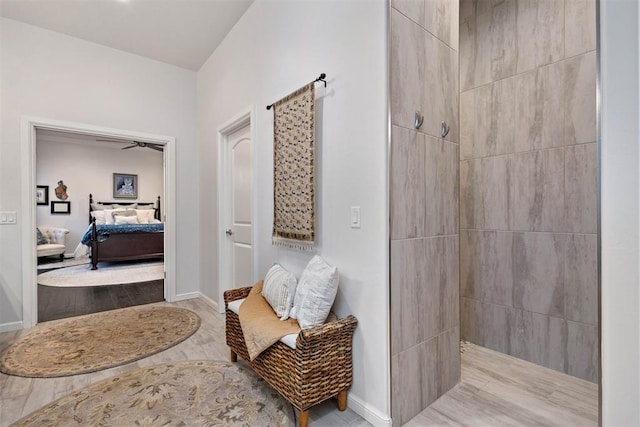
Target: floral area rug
x=97 y=341
x=202 y=393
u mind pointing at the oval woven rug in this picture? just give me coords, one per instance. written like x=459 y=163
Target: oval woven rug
x=97 y=341
x=107 y=274
x=198 y=393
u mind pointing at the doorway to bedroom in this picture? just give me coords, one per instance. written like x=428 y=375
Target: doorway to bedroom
x=100 y=203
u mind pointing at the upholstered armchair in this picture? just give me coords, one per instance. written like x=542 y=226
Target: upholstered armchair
x=55 y=241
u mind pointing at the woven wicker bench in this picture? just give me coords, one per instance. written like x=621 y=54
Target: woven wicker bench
x=318 y=369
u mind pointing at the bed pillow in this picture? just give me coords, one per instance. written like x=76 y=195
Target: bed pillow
x=315 y=293
x=145 y=215
x=131 y=206
x=108 y=216
x=100 y=206
x=124 y=220
x=123 y=212
x=278 y=289
x=41 y=238
x=99 y=216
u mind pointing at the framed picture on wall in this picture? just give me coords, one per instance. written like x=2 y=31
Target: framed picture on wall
x=42 y=194
x=61 y=208
x=125 y=186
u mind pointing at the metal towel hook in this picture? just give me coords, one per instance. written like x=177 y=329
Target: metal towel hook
x=418 y=119
x=444 y=129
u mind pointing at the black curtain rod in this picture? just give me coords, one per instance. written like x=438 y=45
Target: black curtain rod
x=322 y=78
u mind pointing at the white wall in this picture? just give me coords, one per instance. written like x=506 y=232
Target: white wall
x=275 y=48
x=88 y=169
x=50 y=75
x=620 y=207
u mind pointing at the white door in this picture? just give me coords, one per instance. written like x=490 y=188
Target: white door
x=238 y=230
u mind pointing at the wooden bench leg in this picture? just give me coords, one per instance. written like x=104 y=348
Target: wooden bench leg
x=303 y=419
x=342 y=400
x=233 y=356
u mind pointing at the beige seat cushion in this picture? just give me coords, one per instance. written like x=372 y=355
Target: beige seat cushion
x=50 y=249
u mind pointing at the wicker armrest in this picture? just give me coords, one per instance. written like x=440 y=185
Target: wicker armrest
x=234 y=294
x=328 y=332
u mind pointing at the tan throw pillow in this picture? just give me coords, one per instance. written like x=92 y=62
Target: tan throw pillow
x=123 y=212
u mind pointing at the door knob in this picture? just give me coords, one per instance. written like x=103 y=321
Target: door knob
x=229 y=232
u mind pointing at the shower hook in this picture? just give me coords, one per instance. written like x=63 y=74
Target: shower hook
x=418 y=119
x=444 y=129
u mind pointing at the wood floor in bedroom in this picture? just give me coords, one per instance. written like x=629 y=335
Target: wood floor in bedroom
x=56 y=302
x=495 y=390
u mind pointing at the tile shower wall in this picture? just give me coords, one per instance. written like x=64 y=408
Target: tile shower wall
x=528 y=244
x=424 y=205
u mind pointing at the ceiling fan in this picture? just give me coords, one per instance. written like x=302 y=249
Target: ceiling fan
x=153 y=146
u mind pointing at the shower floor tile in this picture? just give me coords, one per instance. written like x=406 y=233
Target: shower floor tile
x=499 y=390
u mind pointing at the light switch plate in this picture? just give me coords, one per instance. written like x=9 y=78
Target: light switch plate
x=8 y=217
x=355 y=216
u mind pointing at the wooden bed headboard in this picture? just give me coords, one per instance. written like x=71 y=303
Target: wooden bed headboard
x=155 y=205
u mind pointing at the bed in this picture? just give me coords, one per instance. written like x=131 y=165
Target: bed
x=124 y=242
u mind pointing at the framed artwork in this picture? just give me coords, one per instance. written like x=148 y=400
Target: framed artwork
x=61 y=208
x=125 y=186
x=42 y=194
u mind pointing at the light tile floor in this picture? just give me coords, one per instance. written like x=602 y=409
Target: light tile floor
x=500 y=390
x=495 y=390
x=21 y=396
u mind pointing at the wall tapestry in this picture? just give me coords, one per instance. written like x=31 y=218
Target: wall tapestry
x=293 y=169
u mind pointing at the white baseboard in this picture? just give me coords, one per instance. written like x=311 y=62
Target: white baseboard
x=188 y=295
x=11 y=326
x=372 y=415
x=194 y=295
x=211 y=303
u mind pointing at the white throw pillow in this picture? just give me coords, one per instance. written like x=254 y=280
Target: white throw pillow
x=108 y=216
x=124 y=220
x=145 y=216
x=99 y=216
x=315 y=293
x=278 y=289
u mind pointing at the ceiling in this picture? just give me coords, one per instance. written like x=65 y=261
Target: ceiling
x=179 y=32
x=44 y=135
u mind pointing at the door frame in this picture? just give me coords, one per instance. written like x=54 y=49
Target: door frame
x=246 y=117
x=28 y=127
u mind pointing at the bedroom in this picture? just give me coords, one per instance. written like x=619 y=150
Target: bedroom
x=49 y=74
x=84 y=165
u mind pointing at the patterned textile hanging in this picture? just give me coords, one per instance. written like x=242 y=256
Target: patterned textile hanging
x=293 y=169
